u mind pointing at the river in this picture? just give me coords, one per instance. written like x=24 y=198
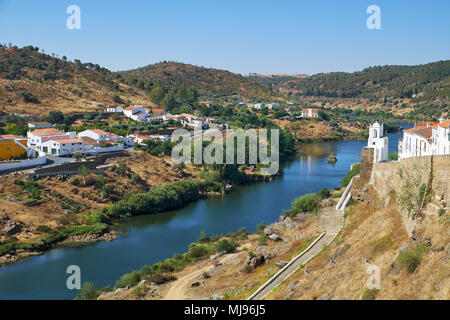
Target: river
x=149 y=239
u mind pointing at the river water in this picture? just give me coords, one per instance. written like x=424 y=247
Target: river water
x=149 y=239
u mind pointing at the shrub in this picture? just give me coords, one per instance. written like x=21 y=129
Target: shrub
x=410 y=260
x=198 y=251
x=83 y=171
x=369 y=294
x=128 y=280
x=43 y=229
x=158 y=199
x=262 y=238
x=307 y=203
x=203 y=238
x=248 y=269
x=106 y=191
x=353 y=172
x=393 y=156
x=87 y=292
x=226 y=246
x=324 y=193
x=260 y=226
x=135 y=178
x=139 y=291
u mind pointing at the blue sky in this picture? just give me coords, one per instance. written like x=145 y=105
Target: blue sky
x=285 y=36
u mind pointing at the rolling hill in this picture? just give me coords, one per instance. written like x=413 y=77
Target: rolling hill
x=35 y=83
x=207 y=81
x=427 y=82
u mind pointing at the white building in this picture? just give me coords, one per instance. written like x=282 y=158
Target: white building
x=425 y=139
x=273 y=105
x=36 y=138
x=114 y=109
x=256 y=106
x=62 y=147
x=39 y=125
x=310 y=112
x=136 y=113
x=378 y=142
x=440 y=138
x=140 y=138
x=100 y=135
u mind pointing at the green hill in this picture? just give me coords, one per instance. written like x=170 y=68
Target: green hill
x=427 y=82
x=207 y=81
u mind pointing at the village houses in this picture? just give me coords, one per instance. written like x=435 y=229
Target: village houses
x=426 y=138
x=310 y=113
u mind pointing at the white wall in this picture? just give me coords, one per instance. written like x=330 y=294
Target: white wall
x=8 y=165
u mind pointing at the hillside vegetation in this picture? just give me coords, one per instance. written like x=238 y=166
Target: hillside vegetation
x=207 y=81
x=32 y=82
x=427 y=82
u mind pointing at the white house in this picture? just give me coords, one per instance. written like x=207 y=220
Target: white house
x=37 y=137
x=100 y=135
x=378 y=142
x=272 y=105
x=310 y=112
x=114 y=109
x=417 y=141
x=136 y=113
x=140 y=138
x=425 y=139
x=62 y=147
x=256 y=106
x=440 y=138
x=39 y=125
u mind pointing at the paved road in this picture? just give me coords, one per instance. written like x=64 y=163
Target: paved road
x=332 y=221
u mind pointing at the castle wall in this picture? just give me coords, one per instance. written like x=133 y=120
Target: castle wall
x=404 y=178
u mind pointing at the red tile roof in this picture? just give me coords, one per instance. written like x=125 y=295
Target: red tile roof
x=132 y=108
x=62 y=140
x=88 y=140
x=47 y=131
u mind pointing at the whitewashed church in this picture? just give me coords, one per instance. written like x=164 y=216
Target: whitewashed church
x=378 y=142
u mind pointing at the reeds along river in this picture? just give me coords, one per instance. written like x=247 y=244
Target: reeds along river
x=149 y=239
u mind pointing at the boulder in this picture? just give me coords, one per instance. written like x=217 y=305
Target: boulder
x=257 y=260
x=268 y=231
x=269 y=256
x=328 y=202
x=274 y=237
x=9 y=227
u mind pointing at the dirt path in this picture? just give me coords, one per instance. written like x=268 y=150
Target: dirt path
x=177 y=291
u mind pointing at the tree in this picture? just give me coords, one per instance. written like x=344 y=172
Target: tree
x=157 y=94
x=169 y=101
x=55 y=117
x=307 y=203
x=116 y=98
x=77 y=156
x=87 y=292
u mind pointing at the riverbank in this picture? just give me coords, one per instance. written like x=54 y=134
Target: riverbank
x=157 y=200
x=209 y=273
